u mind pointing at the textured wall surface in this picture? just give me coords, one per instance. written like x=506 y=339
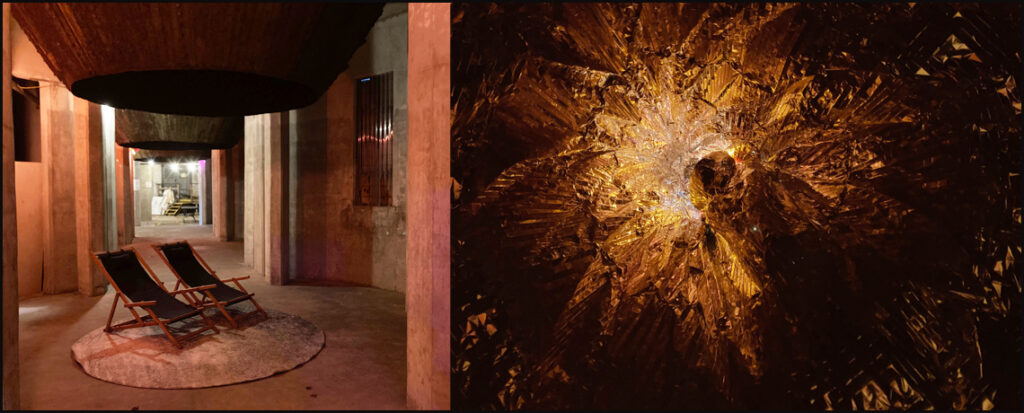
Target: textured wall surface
x=10 y=244
x=60 y=262
x=387 y=50
x=29 y=200
x=257 y=129
x=88 y=169
x=332 y=239
x=862 y=251
x=275 y=201
x=227 y=170
x=124 y=184
x=428 y=255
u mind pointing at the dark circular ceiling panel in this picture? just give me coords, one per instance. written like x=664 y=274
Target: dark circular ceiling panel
x=205 y=59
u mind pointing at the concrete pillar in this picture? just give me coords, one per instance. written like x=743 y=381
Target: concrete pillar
x=227 y=192
x=221 y=201
x=276 y=202
x=60 y=254
x=238 y=190
x=291 y=136
x=88 y=167
x=109 y=179
x=428 y=256
x=129 y=181
x=206 y=193
x=144 y=195
x=256 y=127
x=125 y=196
x=10 y=264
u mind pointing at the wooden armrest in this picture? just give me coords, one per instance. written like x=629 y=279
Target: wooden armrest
x=193 y=289
x=140 y=303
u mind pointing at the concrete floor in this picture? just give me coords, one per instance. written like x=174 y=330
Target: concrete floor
x=362 y=365
x=175 y=220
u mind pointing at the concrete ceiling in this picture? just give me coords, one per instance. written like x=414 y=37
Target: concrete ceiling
x=26 y=63
x=197 y=58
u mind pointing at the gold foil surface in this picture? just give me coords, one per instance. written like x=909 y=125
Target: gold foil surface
x=862 y=253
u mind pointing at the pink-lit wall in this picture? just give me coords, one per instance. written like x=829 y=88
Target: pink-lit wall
x=306 y=226
x=428 y=255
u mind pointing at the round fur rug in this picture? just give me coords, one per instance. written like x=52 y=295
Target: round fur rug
x=145 y=357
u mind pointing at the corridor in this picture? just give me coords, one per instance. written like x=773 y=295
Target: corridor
x=362 y=365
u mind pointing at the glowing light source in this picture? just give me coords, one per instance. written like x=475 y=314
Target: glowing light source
x=22 y=310
x=193 y=166
x=174 y=167
x=151 y=162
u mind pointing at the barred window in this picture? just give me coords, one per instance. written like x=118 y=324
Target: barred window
x=374 y=105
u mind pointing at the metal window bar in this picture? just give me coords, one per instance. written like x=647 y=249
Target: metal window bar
x=373 y=149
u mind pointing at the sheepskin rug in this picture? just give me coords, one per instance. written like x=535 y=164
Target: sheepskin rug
x=144 y=357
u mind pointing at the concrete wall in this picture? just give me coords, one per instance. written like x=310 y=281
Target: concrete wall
x=69 y=215
x=302 y=223
x=427 y=301
x=227 y=170
x=27 y=140
x=10 y=241
x=332 y=237
x=61 y=196
x=386 y=50
x=26 y=62
x=28 y=180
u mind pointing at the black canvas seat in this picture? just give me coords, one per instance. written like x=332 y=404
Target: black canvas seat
x=180 y=258
x=224 y=293
x=138 y=288
x=166 y=306
x=192 y=271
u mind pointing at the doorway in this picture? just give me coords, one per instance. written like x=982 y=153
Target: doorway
x=171 y=196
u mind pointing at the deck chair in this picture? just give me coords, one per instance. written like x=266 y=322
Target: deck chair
x=193 y=271
x=138 y=288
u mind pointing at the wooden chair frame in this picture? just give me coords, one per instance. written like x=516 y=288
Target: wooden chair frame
x=202 y=302
x=150 y=318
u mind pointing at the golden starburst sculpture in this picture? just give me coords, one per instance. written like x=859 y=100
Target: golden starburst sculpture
x=736 y=206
